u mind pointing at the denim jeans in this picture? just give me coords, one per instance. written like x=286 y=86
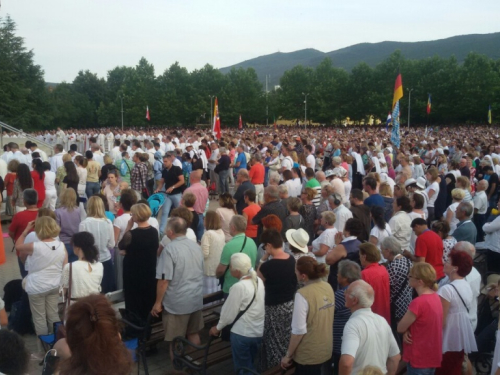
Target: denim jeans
x=171 y=201
x=419 y=371
x=244 y=351
x=92 y=188
x=201 y=227
x=223 y=183
x=22 y=270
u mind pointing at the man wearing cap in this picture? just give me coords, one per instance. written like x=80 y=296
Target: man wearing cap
x=256 y=173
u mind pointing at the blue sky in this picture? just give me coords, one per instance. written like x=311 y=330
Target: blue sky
x=71 y=35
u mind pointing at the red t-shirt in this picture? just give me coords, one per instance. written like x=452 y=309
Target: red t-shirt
x=426 y=332
x=9 y=183
x=251 y=211
x=39 y=186
x=378 y=277
x=257 y=174
x=430 y=246
x=20 y=222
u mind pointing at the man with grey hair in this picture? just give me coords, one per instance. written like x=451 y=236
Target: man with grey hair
x=321 y=177
x=284 y=197
x=272 y=205
x=240 y=243
x=367 y=338
x=341 y=212
x=473 y=278
x=179 y=291
x=480 y=208
x=466 y=230
x=274 y=179
x=348 y=272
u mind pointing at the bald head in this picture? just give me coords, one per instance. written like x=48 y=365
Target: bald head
x=362 y=294
x=467 y=247
x=195 y=176
x=482 y=185
x=320 y=176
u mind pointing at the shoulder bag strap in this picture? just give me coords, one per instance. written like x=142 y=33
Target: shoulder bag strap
x=241 y=313
x=244 y=243
x=461 y=299
x=68 y=297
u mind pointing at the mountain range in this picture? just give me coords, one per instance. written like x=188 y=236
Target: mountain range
x=460 y=46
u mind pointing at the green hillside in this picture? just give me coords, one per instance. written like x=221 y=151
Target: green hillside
x=372 y=53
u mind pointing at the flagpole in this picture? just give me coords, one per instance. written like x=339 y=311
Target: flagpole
x=409 y=105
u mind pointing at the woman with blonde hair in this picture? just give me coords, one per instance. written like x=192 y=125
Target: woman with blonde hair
x=226 y=211
x=442 y=164
x=68 y=217
x=102 y=229
x=139 y=247
x=386 y=192
x=463 y=183
x=44 y=260
x=458 y=196
x=212 y=243
x=422 y=351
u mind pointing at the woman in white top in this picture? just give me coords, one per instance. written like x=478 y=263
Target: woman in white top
x=247 y=294
x=400 y=222
x=212 y=243
x=44 y=262
x=226 y=211
x=102 y=229
x=86 y=272
x=457 y=195
x=432 y=191
x=457 y=300
x=380 y=228
x=81 y=170
x=50 y=187
x=326 y=240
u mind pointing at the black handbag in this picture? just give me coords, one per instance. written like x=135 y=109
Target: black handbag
x=225 y=334
x=50 y=362
x=221 y=279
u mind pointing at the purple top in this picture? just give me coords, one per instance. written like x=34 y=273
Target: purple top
x=69 y=223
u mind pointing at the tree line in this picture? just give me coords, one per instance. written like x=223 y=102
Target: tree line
x=461 y=92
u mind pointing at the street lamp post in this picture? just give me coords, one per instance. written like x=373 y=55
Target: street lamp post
x=211 y=109
x=121 y=100
x=409 y=105
x=305 y=109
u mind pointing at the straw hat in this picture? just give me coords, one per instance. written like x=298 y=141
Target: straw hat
x=298 y=238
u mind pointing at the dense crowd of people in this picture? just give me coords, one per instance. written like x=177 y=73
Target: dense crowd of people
x=335 y=250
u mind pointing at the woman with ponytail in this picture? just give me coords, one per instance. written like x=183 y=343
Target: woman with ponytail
x=38 y=175
x=311 y=343
x=93 y=344
x=421 y=350
x=247 y=296
x=87 y=271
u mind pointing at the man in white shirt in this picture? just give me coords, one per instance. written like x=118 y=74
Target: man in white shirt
x=367 y=339
x=136 y=147
x=34 y=148
x=56 y=161
x=480 y=208
x=7 y=155
x=287 y=162
x=341 y=212
x=115 y=153
x=98 y=155
x=110 y=137
x=310 y=160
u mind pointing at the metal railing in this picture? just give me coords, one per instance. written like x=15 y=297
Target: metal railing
x=3 y=125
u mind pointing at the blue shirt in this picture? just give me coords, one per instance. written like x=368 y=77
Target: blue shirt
x=375 y=200
x=242 y=159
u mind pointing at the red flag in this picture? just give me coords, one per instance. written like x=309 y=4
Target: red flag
x=147 y=114
x=240 y=124
x=216 y=125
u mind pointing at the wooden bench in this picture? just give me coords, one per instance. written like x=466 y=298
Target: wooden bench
x=198 y=358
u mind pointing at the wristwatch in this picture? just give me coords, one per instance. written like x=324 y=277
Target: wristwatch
x=288 y=355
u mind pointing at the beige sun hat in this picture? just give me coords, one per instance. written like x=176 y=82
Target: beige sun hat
x=298 y=238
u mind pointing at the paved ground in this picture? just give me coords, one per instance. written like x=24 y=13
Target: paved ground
x=159 y=363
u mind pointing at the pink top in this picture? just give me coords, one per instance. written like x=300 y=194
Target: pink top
x=201 y=194
x=232 y=154
x=425 y=351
